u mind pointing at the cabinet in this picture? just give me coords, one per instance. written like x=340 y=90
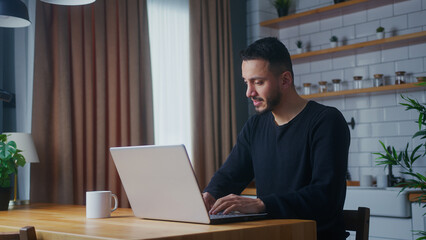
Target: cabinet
x=351 y=49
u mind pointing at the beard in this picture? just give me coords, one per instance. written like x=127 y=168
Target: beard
x=271 y=102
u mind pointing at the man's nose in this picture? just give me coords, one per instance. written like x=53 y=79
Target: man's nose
x=250 y=91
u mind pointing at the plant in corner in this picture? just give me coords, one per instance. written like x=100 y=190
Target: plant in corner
x=404 y=159
x=10 y=159
x=380 y=32
x=282 y=7
x=333 y=41
x=299 y=46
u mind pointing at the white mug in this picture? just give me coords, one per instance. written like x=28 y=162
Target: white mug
x=366 y=181
x=98 y=204
x=382 y=181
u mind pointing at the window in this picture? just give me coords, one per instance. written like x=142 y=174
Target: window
x=169 y=41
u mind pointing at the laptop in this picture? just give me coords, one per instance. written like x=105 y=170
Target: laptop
x=160 y=184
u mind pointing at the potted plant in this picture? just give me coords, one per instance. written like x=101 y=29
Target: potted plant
x=10 y=159
x=380 y=32
x=299 y=46
x=404 y=159
x=282 y=7
x=333 y=41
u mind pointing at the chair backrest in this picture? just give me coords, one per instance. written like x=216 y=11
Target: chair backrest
x=25 y=233
x=358 y=221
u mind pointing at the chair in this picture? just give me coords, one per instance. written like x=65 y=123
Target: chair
x=358 y=221
x=25 y=233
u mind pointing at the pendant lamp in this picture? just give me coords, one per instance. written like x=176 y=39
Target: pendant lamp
x=13 y=14
x=69 y=2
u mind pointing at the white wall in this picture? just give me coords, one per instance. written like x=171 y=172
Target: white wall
x=377 y=115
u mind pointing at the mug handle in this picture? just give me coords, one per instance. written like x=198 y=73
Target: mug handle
x=115 y=202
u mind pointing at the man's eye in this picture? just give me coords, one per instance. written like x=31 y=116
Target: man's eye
x=258 y=82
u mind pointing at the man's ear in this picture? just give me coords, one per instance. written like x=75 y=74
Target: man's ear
x=286 y=79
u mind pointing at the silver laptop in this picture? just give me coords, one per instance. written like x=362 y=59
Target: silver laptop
x=160 y=184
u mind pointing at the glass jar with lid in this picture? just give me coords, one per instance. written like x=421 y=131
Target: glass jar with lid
x=322 y=86
x=336 y=85
x=357 y=82
x=307 y=88
x=400 y=77
x=378 y=80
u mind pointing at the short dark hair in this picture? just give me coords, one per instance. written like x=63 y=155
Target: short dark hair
x=272 y=50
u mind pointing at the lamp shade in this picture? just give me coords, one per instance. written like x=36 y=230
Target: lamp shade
x=69 y=2
x=13 y=14
x=24 y=142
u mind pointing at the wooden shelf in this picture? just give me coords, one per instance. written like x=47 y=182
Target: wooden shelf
x=406 y=39
x=325 y=12
x=388 y=88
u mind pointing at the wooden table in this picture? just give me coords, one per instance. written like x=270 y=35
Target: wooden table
x=54 y=221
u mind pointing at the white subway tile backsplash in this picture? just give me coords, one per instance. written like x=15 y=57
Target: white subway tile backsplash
x=394 y=24
x=382 y=100
x=354 y=146
x=322 y=65
x=359 y=160
x=366 y=29
x=344 y=62
x=380 y=12
x=338 y=103
x=410 y=66
x=320 y=38
x=417 y=19
x=358 y=71
x=419 y=96
x=399 y=143
x=311 y=27
x=302 y=68
x=354 y=18
x=361 y=131
x=289 y=32
x=347 y=33
x=329 y=75
x=407 y=128
x=388 y=129
x=348 y=114
x=394 y=54
x=369 y=145
x=396 y=113
x=388 y=69
x=417 y=50
x=354 y=102
x=424 y=4
x=331 y=23
x=371 y=115
x=404 y=7
x=368 y=58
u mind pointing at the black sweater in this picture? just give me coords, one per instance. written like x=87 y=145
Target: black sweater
x=299 y=167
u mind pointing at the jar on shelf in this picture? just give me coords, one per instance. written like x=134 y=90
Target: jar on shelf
x=400 y=77
x=322 y=86
x=307 y=88
x=378 y=80
x=357 y=82
x=336 y=85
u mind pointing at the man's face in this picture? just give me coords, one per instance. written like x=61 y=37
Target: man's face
x=262 y=85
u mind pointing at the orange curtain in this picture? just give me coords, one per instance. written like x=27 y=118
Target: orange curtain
x=92 y=91
x=214 y=128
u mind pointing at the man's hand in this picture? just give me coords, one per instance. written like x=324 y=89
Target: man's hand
x=209 y=200
x=234 y=202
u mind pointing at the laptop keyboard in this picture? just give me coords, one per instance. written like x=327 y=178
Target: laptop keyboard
x=229 y=215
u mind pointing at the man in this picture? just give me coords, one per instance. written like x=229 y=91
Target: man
x=296 y=150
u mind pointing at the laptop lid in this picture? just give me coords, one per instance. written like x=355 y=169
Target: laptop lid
x=160 y=183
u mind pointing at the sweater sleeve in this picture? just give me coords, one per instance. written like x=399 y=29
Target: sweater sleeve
x=237 y=171
x=323 y=198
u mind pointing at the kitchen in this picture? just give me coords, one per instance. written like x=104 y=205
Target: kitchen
x=377 y=115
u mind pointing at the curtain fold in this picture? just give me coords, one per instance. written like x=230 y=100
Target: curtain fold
x=92 y=91
x=214 y=128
